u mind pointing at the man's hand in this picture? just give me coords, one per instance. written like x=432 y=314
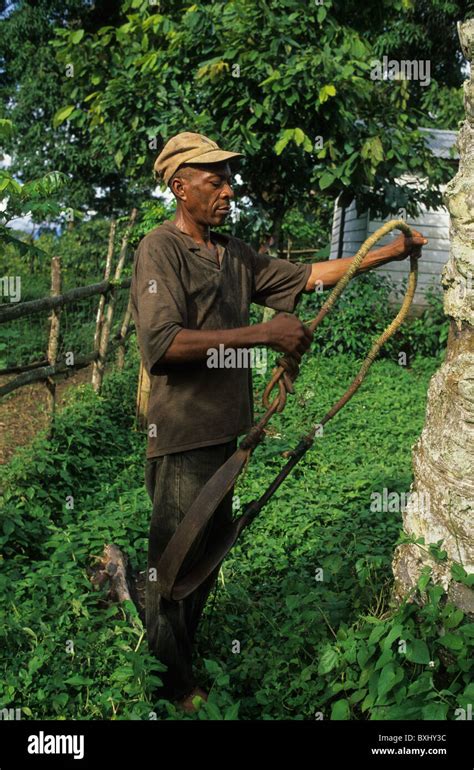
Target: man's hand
x=287 y=334
x=327 y=274
x=404 y=245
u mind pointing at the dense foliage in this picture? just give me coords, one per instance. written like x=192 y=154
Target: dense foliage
x=302 y=623
x=309 y=648
x=106 y=87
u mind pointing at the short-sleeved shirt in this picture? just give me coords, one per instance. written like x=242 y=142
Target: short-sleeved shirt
x=179 y=284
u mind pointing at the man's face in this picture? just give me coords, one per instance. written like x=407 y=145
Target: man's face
x=205 y=192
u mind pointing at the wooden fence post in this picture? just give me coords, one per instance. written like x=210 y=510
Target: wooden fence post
x=123 y=332
x=99 y=364
x=53 y=339
x=108 y=267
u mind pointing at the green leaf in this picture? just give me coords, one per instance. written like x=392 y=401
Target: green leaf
x=437 y=552
x=376 y=633
x=212 y=667
x=60 y=699
x=326 y=180
x=122 y=673
x=435 y=593
x=424 y=578
x=149 y=61
x=77 y=680
x=368 y=702
x=386 y=657
x=388 y=679
x=325 y=92
x=321 y=15
x=452 y=642
x=417 y=651
x=358 y=49
x=118 y=157
x=329 y=659
x=6 y=128
x=283 y=141
x=454 y=618
x=62 y=114
x=460 y=575
x=292 y=601
x=395 y=633
x=340 y=710
x=299 y=136
x=274 y=76
x=372 y=150
x=232 y=712
x=212 y=710
x=91 y=96
x=77 y=36
x=30 y=632
x=437 y=711
x=357 y=696
x=23 y=248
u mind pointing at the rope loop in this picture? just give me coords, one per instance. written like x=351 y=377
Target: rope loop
x=287 y=368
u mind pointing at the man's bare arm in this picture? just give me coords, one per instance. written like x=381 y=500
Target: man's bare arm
x=193 y=344
x=284 y=333
x=328 y=273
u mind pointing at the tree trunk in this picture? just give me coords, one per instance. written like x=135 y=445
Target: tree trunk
x=443 y=504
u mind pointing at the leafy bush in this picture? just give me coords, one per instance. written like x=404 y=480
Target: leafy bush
x=364 y=310
x=307 y=647
x=92 y=437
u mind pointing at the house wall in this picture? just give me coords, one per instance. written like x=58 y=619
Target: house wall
x=355 y=231
x=433 y=224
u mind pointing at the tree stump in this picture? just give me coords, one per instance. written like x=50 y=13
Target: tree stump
x=113 y=568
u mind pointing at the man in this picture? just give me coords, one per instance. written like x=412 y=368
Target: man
x=191 y=292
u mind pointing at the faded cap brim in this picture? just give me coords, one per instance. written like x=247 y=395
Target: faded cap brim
x=189 y=148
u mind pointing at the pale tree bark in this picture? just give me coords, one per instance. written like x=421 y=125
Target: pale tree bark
x=442 y=505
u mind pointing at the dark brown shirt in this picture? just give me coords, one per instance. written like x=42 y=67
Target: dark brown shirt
x=176 y=284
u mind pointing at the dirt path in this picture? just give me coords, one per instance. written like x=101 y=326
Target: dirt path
x=23 y=412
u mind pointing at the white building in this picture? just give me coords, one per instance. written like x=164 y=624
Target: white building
x=349 y=230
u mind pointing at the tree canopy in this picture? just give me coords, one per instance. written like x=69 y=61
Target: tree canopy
x=286 y=82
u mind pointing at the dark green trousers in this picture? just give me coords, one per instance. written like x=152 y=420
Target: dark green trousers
x=173 y=483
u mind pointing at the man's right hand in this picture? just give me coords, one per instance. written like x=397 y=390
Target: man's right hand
x=287 y=334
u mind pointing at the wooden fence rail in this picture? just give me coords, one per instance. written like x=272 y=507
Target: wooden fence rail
x=50 y=370
x=14 y=311
x=23 y=367
x=44 y=372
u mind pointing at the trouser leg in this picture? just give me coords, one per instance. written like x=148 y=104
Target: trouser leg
x=173 y=483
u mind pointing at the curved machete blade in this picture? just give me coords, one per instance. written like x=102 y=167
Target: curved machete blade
x=196 y=519
x=216 y=550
